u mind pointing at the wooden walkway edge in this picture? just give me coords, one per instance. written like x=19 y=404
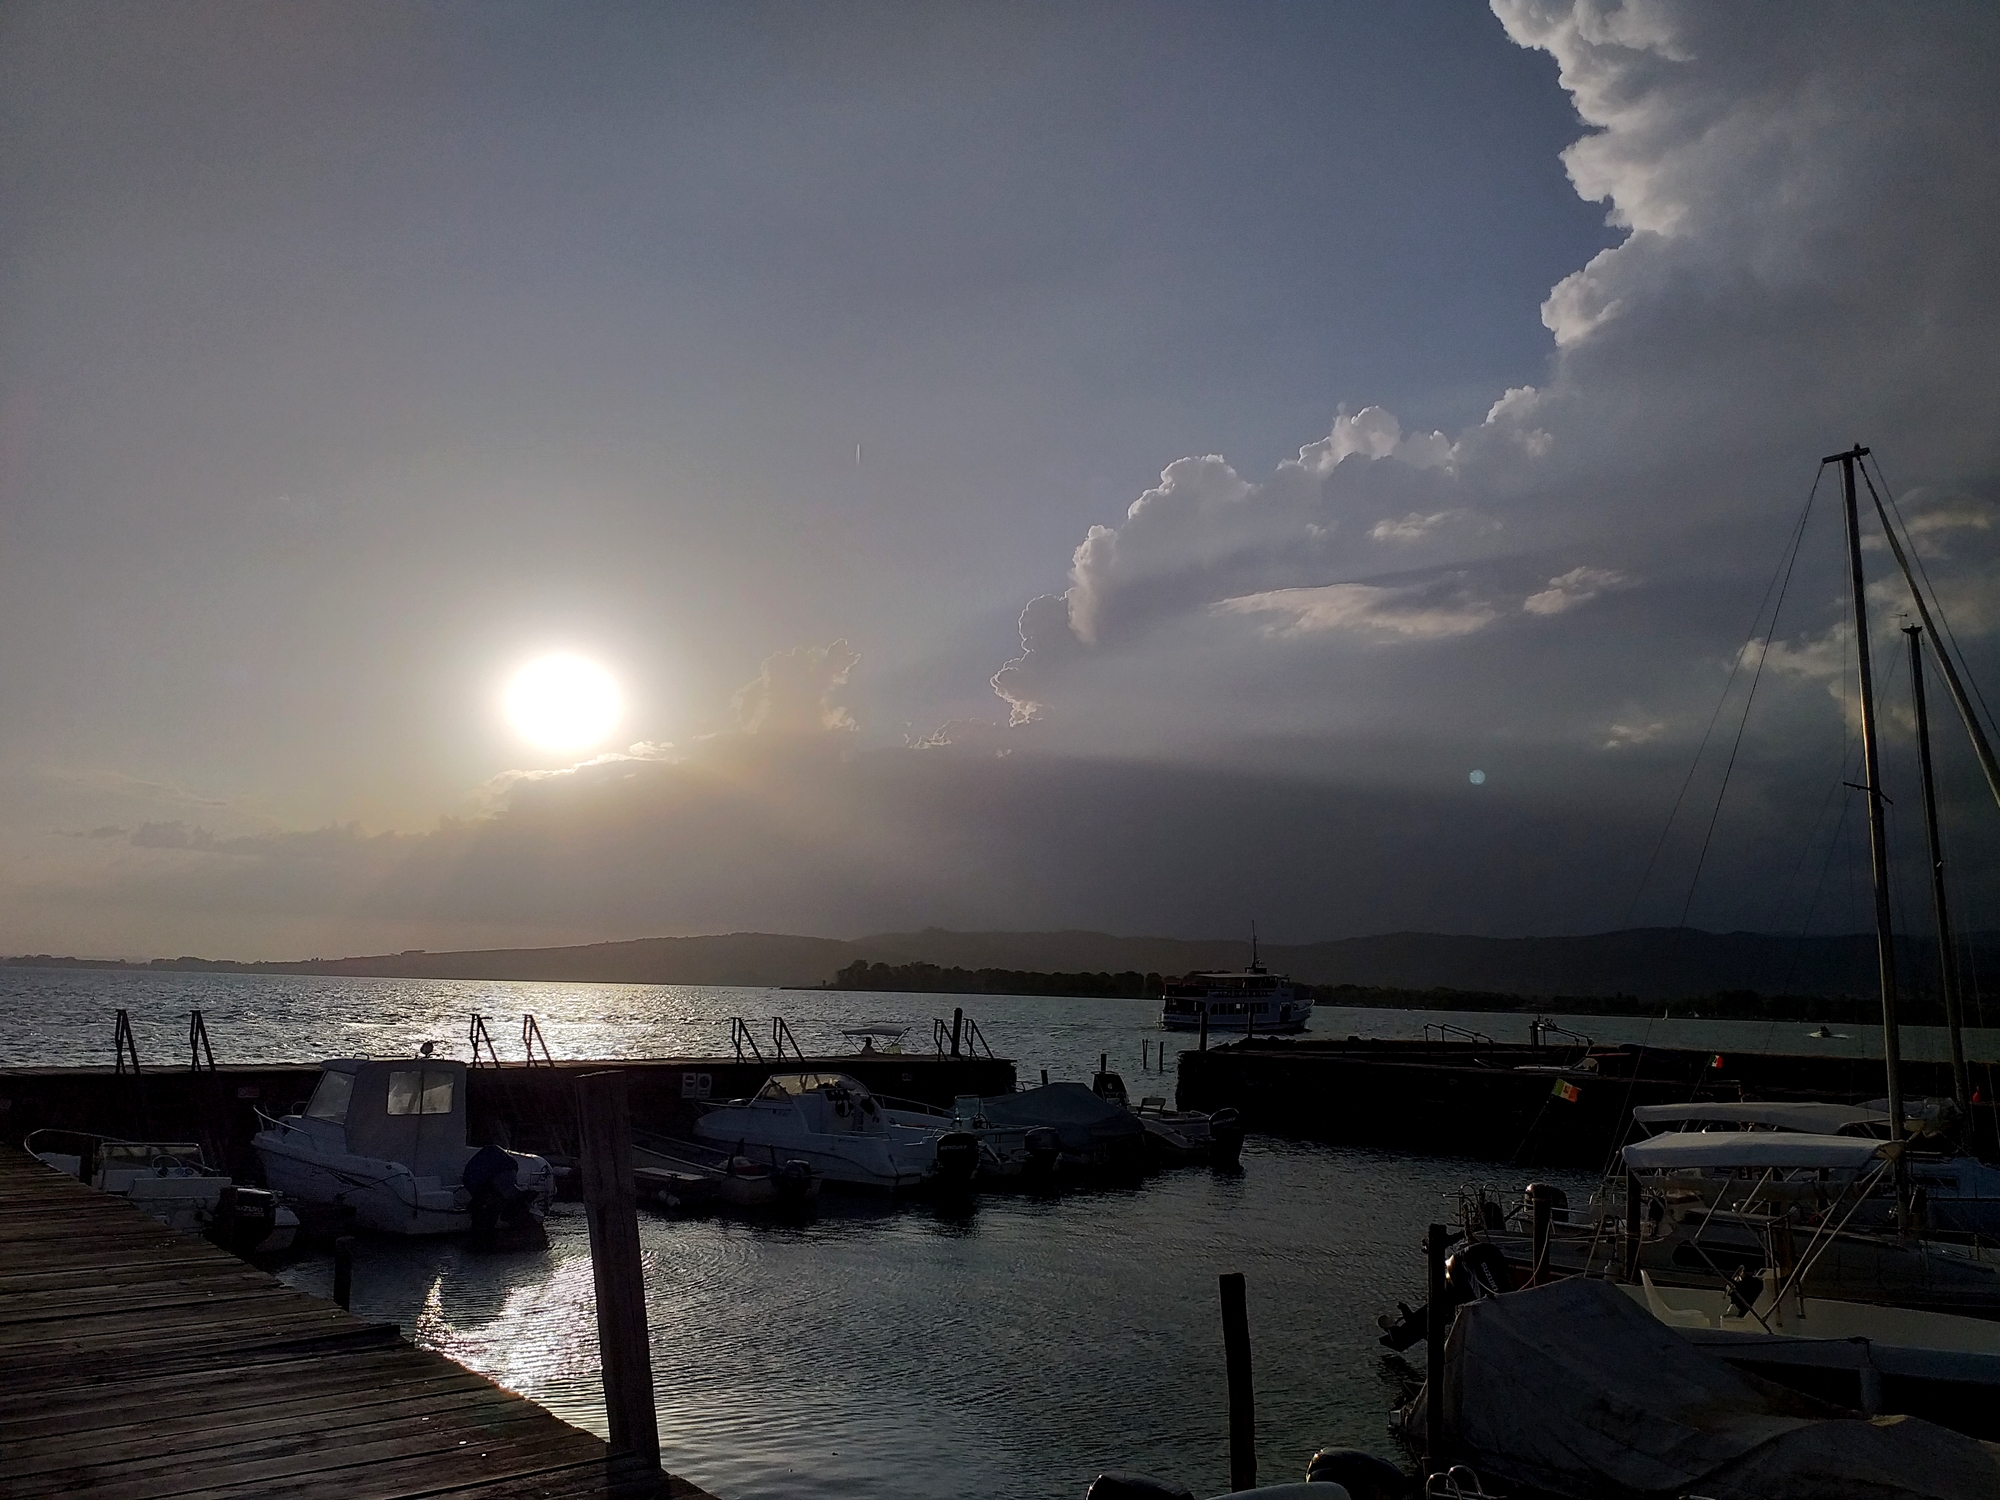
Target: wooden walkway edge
x=140 y=1363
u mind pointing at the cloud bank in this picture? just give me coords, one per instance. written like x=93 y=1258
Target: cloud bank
x=1555 y=593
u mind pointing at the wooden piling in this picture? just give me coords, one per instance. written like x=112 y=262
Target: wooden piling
x=1236 y=1359
x=957 y=1025
x=611 y=1209
x=1543 y=1205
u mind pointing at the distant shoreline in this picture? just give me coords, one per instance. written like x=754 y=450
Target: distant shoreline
x=1638 y=971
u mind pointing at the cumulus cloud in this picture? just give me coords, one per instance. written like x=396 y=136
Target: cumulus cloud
x=1420 y=612
x=1416 y=526
x=1624 y=736
x=1577 y=586
x=1806 y=250
x=795 y=691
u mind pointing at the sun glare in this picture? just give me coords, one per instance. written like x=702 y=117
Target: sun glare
x=563 y=703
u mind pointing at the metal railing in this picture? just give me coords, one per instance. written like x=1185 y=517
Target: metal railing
x=531 y=1038
x=1542 y=1027
x=200 y=1055
x=741 y=1036
x=482 y=1040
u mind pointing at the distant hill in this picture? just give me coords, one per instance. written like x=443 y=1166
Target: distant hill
x=1653 y=963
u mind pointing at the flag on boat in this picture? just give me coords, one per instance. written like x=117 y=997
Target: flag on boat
x=1566 y=1091
x=1715 y=1061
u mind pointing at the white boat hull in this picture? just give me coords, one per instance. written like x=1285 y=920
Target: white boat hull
x=1227 y=1023
x=383 y=1196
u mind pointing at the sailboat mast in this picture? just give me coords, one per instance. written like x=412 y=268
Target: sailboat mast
x=1878 y=842
x=1954 y=1018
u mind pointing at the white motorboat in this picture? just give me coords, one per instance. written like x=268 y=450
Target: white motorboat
x=831 y=1122
x=1175 y=1136
x=387 y=1141
x=171 y=1181
x=688 y=1174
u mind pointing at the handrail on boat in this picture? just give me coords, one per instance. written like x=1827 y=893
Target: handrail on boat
x=1446 y=1029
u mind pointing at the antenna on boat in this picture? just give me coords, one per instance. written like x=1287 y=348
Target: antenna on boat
x=1878 y=843
x=1255 y=967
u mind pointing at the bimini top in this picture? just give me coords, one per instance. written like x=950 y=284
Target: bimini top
x=1753 y=1148
x=1816 y=1119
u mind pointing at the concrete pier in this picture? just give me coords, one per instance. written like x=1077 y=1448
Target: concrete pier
x=1546 y=1105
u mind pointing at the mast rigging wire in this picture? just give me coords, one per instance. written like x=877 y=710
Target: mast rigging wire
x=1784 y=569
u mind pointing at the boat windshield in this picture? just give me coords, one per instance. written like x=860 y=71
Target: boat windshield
x=329 y=1100
x=419 y=1092
x=791 y=1085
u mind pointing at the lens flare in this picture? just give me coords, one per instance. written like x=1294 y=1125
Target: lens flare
x=563 y=703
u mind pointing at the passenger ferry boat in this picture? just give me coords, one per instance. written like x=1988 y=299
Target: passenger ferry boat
x=1246 y=1000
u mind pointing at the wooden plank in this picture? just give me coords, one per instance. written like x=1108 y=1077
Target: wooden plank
x=139 y=1363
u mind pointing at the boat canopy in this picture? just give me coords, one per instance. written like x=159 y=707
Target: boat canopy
x=409 y=1110
x=1816 y=1119
x=1751 y=1148
x=792 y=1085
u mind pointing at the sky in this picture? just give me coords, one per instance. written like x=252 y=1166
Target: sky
x=1112 y=466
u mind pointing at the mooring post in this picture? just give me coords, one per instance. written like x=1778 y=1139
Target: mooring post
x=1436 y=1318
x=611 y=1208
x=1045 y=1078
x=1236 y=1359
x=957 y=1023
x=1632 y=1226
x=1204 y=1026
x=343 y=1271
x=1543 y=1204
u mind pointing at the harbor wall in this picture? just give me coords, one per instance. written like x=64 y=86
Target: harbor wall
x=1554 y=1106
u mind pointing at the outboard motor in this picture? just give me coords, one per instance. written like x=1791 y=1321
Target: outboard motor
x=1225 y=1135
x=493 y=1179
x=244 y=1219
x=1478 y=1270
x=957 y=1159
x=1044 y=1148
x=1364 y=1476
x=1110 y=1087
x=793 y=1179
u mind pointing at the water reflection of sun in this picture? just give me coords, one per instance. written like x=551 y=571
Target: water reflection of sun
x=540 y=1341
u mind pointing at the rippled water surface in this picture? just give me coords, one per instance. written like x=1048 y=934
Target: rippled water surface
x=1008 y=1350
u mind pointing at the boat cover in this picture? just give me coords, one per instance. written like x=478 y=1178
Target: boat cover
x=1083 y=1120
x=1817 y=1119
x=1576 y=1389
x=1751 y=1148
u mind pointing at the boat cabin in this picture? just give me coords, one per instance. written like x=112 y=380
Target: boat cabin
x=408 y=1110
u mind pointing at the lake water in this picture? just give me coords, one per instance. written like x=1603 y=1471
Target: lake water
x=1010 y=1350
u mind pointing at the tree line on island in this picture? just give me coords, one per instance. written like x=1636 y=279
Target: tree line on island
x=1732 y=1005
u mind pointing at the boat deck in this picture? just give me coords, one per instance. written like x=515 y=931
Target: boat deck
x=139 y=1362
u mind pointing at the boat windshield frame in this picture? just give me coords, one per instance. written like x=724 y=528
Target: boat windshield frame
x=798 y=1085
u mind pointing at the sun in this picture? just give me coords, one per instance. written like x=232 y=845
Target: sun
x=563 y=703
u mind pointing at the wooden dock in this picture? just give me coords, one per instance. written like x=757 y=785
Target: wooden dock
x=139 y=1362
